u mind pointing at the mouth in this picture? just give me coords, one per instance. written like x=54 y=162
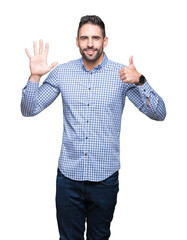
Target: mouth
x=90 y=51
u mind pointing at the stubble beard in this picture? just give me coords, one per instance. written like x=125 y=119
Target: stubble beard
x=91 y=58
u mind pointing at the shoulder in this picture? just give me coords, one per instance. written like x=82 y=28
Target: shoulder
x=63 y=69
x=73 y=64
x=114 y=65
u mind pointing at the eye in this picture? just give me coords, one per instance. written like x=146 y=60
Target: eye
x=96 y=37
x=83 y=38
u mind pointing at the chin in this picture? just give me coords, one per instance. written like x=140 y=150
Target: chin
x=92 y=58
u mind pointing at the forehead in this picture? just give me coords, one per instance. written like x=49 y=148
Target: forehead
x=90 y=30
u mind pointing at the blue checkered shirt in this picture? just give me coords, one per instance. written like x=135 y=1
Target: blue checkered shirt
x=93 y=103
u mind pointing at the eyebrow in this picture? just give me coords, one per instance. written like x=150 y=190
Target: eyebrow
x=94 y=36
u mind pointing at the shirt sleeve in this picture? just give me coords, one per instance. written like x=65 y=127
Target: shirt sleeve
x=138 y=96
x=35 y=99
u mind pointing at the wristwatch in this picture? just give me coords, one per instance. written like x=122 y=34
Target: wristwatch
x=142 y=80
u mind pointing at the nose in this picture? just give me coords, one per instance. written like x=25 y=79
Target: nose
x=90 y=42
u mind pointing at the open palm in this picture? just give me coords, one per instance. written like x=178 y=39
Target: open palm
x=38 y=62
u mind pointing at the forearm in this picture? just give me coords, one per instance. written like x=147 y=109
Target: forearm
x=29 y=97
x=147 y=101
x=153 y=104
x=29 y=101
x=35 y=99
x=156 y=108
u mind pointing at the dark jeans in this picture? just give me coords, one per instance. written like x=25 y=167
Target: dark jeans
x=80 y=201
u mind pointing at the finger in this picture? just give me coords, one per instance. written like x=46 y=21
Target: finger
x=122 y=74
x=27 y=52
x=131 y=61
x=46 y=49
x=123 y=77
x=122 y=70
x=35 y=48
x=40 y=46
x=53 y=64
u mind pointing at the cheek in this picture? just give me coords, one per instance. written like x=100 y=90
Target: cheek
x=98 y=45
x=82 y=45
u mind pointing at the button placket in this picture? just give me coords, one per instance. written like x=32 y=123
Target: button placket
x=87 y=114
x=88 y=109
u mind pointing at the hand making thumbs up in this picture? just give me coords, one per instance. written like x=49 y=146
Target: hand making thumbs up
x=129 y=74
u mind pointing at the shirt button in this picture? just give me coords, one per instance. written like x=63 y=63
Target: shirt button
x=88 y=104
x=89 y=88
x=85 y=154
x=86 y=137
x=87 y=121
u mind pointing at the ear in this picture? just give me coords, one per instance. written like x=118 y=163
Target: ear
x=77 y=42
x=105 y=42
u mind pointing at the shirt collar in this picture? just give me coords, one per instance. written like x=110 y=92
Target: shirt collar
x=99 y=66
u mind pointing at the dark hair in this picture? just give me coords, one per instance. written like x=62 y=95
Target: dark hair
x=92 y=19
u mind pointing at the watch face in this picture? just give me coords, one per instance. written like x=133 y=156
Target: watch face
x=142 y=79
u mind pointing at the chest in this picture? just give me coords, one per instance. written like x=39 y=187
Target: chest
x=101 y=88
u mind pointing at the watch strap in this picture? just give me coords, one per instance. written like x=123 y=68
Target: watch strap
x=142 y=80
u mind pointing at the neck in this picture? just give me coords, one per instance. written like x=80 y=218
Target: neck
x=90 y=65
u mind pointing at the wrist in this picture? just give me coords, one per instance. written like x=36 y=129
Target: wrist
x=141 y=80
x=34 y=78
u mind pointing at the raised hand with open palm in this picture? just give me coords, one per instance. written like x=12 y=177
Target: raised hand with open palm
x=38 y=62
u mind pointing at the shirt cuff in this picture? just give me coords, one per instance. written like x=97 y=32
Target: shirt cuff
x=145 y=89
x=32 y=86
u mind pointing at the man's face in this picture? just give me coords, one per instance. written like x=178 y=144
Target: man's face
x=91 y=42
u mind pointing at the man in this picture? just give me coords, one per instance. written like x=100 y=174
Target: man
x=93 y=91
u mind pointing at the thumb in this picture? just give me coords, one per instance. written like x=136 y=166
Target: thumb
x=131 y=61
x=53 y=64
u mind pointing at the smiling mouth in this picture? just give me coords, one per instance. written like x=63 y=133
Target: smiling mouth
x=90 y=51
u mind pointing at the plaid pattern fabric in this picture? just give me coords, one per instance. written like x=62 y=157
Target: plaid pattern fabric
x=93 y=103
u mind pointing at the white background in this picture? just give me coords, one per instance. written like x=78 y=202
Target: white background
x=153 y=175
